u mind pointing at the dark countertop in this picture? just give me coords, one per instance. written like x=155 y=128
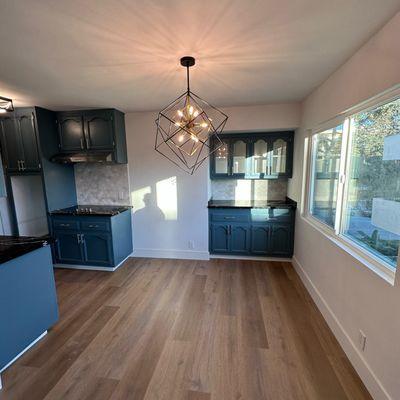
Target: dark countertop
x=287 y=203
x=85 y=210
x=15 y=246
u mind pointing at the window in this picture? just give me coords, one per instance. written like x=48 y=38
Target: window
x=355 y=182
x=325 y=174
x=372 y=202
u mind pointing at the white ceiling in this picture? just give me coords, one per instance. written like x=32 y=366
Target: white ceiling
x=125 y=54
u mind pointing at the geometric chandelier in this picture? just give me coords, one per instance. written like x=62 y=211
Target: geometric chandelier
x=188 y=128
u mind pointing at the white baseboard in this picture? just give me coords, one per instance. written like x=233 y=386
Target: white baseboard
x=356 y=358
x=167 y=253
x=21 y=353
x=255 y=258
x=91 y=267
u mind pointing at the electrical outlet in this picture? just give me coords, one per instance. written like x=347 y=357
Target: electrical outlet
x=362 y=340
x=191 y=244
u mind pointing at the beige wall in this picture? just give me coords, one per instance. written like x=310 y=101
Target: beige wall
x=350 y=295
x=176 y=213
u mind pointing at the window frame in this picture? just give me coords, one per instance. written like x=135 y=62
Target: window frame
x=335 y=234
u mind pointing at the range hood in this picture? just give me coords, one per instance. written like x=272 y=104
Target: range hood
x=71 y=158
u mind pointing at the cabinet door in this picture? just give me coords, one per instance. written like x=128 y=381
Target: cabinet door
x=260 y=239
x=68 y=247
x=26 y=125
x=239 y=239
x=220 y=166
x=239 y=158
x=71 y=133
x=219 y=238
x=11 y=144
x=281 y=240
x=259 y=159
x=278 y=159
x=97 y=248
x=99 y=131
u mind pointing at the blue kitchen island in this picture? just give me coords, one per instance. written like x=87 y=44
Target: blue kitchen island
x=28 y=300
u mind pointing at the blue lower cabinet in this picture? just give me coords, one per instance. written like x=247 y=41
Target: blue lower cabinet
x=97 y=248
x=281 y=240
x=68 y=247
x=239 y=239
x=267 y=232
x=219 y=238
x=92 y=240
x=260 y=240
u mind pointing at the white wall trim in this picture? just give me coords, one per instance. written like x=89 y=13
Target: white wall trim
x=170 y=253
x=91 y=267
x=356 y=358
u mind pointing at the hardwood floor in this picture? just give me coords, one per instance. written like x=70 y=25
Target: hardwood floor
x=193 y=330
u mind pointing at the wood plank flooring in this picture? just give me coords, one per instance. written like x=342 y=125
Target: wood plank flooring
x=185 y=330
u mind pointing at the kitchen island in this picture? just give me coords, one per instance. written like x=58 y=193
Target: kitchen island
x=28 y=300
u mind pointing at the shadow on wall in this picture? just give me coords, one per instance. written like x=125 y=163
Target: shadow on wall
x=156 y=209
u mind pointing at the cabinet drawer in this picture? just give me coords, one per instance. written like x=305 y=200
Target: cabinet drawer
x=64 y=224
x=271 y=215
x=227 y=215
x=95 y=225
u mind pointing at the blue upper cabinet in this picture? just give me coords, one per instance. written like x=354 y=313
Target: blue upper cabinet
x=93 y=131
x=253 y=156
x=19 y=142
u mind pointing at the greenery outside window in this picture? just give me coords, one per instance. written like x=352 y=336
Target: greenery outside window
x=355 y=182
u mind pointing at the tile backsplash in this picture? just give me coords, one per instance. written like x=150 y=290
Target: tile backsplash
x=101 y=184
x=244 y=189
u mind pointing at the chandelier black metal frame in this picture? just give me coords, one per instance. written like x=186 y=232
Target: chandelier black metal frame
x=188 y=128
x=6 y=105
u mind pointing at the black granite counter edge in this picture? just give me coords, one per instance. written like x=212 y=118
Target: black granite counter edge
x=287 y=203
x=12 y=247
x=66 y=211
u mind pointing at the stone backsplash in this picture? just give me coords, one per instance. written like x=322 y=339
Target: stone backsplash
x=244 y=189
x=101 y=184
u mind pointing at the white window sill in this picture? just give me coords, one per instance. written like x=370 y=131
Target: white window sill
x=379 y=268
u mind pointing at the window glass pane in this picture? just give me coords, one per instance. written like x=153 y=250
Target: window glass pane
x=239 y=157
x=221 y=159
x=279 y=157
x=260 y=157
x=372 y=211
x=325 y=174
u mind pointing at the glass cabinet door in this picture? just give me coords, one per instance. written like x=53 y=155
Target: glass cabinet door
x=222 y=159
x=239 y=156
x=278 y=159
x=260 y=158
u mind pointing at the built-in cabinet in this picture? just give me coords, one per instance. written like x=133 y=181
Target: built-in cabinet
x=92 y=240
x=93 y=131
x=19 y=142
x=253 y=231
x=252 y=156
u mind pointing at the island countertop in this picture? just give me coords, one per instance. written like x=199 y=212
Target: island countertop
x=15 y=246
x=286 y=203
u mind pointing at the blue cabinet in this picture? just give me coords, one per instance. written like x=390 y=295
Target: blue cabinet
x=94 y=241
x=258 y=232
x=267 y=155
x=93 y=131
x=19 y=142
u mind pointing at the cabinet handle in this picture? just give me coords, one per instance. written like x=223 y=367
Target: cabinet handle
x=64 y=224
x=230 y=217
x=78 y=236
x=19 y=165
x=82 y=238
x=81 y=143
x=23 y=165
x=93 y=226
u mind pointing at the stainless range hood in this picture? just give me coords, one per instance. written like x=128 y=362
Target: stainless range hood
x=72 y=158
